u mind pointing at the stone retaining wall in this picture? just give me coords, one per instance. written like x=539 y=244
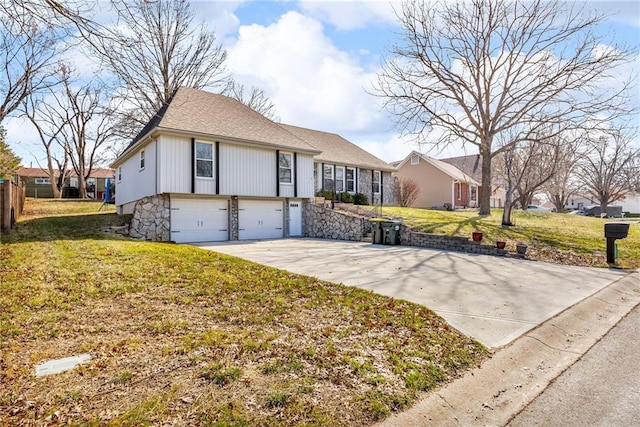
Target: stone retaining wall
x=151 y=219
x=324 y=223
x=448 y=243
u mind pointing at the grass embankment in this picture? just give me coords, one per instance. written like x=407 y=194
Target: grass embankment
x=184 y=336
x=560 y=238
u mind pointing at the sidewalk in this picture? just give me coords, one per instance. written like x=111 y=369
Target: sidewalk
x=505 y=384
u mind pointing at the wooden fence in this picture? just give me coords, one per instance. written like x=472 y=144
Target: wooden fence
x=12 y=197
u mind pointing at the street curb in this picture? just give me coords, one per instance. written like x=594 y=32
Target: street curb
x=492 y=394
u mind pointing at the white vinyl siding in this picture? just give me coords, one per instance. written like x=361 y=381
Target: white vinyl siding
x=247 y=171
x=137 y=183
x=304 y=175
x=174 y=157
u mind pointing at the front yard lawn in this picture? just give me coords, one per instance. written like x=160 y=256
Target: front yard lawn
x=560 y=238
x=184 y=336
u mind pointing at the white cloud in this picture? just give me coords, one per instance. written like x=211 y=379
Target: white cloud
x=312 y=83
x=353 y=14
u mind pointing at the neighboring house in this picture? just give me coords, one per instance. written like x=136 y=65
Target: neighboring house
x=441 y=184
x=630 y=204
x=38 y=183
x=208 y=168
x=472 y=166
x=344 y=167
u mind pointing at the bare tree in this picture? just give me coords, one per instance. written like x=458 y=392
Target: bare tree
x=524 y=168
x=28 y=53
x=49 y=123
x=255 y=99
x=75 y=127
x=478 y=69
x=562 y=186
x=610 y=169
x=155 y=48
x=405 y=191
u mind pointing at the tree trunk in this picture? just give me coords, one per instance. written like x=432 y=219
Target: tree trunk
x=52 y=178
x=485 y=194
x=508 y=205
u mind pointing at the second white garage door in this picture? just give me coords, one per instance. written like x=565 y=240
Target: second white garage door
x=199 y=220
x=260 y=219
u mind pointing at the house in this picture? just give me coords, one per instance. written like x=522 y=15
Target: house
x=38 y=183
x=342 y=166
x=441 y=184
x=209 y=168
x=472 y=166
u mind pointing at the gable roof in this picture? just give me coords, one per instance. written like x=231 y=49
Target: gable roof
x=336 y=149
x=198 y=112
x=447 y=168
x=43 y=173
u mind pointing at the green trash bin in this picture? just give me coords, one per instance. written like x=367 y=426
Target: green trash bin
x=376 y=230
x=391 y=233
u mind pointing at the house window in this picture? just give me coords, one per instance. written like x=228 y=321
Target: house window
x=459 y=191
x=286 y=168
x=204 y=160
x=474 y=193
x=328 y=177
x=43 y=181
x=376 y=182
x=142 y=160
x=415 y=159
x=119 y=174
x=351 y=180
x=339 y=179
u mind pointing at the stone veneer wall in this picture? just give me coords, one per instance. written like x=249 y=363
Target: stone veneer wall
x=151 y=219
x=448 y=243
x=324 y=223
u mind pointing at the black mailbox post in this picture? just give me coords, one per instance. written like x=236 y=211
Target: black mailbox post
x=614 y=231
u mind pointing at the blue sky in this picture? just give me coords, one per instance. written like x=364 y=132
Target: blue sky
x=316 y=59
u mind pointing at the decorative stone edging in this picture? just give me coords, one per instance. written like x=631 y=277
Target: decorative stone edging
x=448 y=243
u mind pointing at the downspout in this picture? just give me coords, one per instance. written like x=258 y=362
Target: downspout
x=381 y=189
x=322 y=177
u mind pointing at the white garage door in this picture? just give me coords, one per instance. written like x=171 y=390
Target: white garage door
x=199 y=220
x=260 y=219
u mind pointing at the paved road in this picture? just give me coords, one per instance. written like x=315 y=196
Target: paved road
x=492 y=299
x=600 y=389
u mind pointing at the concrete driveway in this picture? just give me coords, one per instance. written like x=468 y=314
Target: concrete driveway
x=492 y=299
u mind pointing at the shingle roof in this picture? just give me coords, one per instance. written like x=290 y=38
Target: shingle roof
x=336 y=149
x=204 y=113
x=42 y=173
x=471 y=165
x=35 y=172
x=447 y=168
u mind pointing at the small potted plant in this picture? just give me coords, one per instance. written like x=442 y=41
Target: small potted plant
x=477 y=236
x=500 y=244
x=521 y=249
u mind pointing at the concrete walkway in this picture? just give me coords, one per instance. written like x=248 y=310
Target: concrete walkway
x=492 y=299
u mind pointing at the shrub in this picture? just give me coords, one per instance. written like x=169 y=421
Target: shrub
x=360 y=199
x=345 y=197
x=327 y=194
